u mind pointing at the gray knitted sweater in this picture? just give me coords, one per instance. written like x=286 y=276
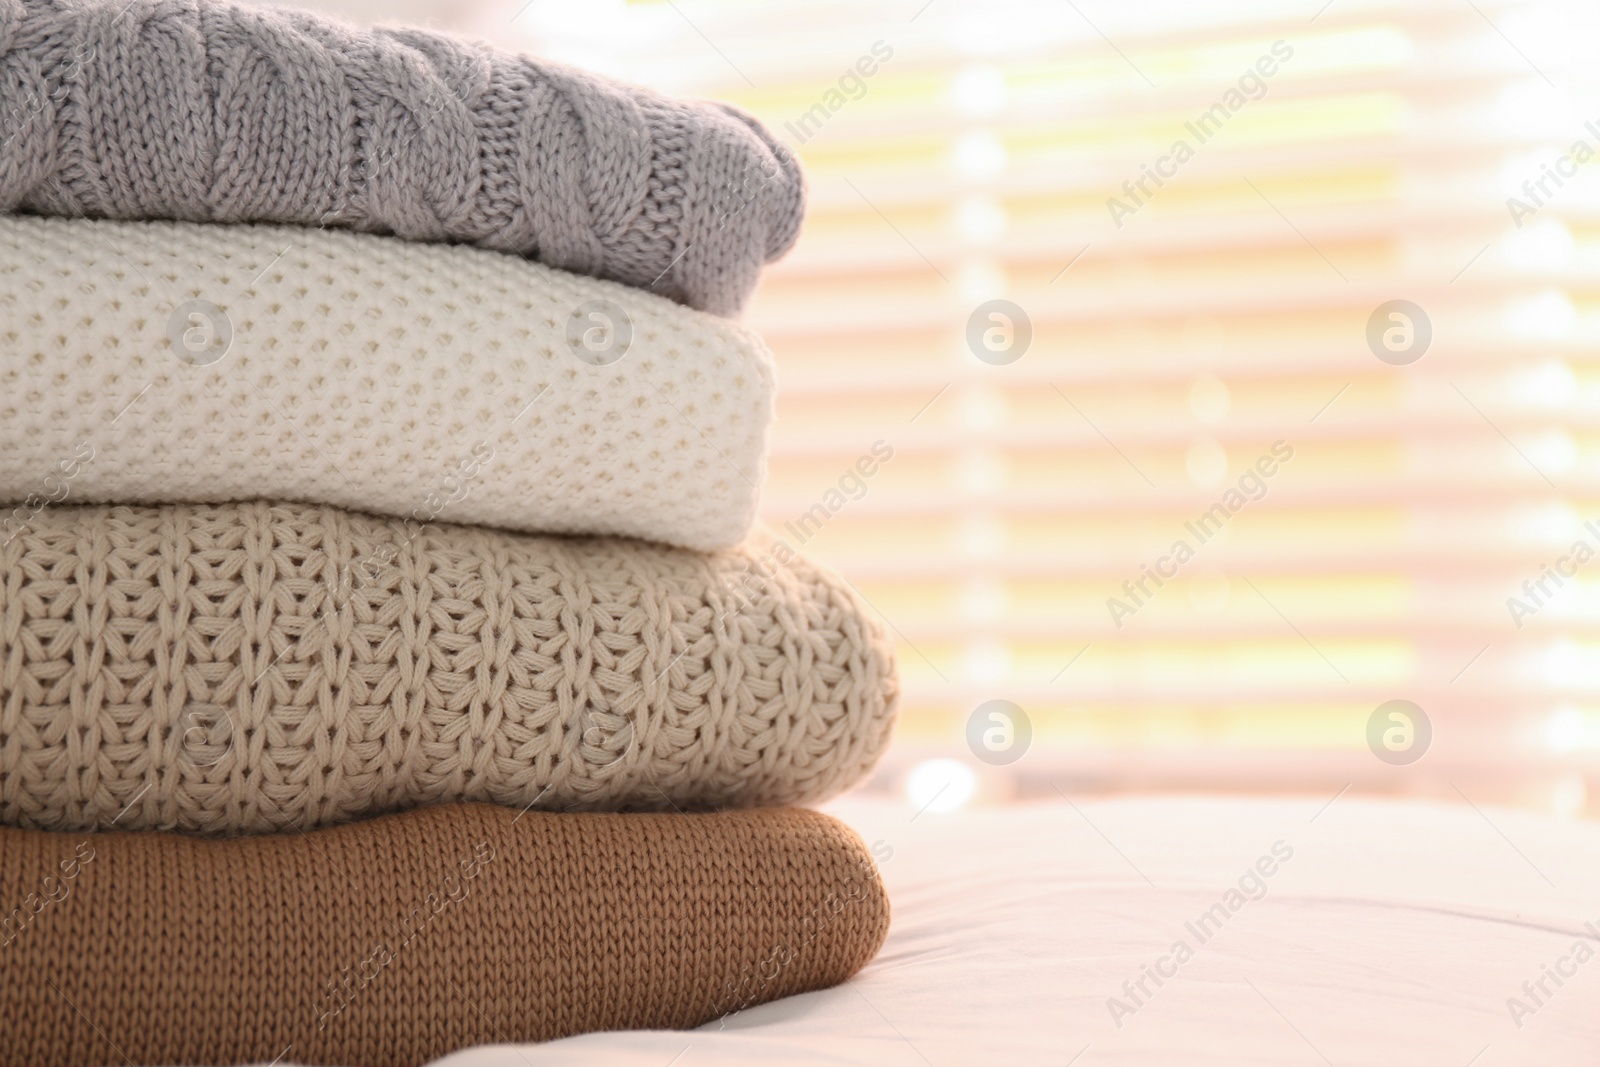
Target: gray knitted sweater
x=211 y=111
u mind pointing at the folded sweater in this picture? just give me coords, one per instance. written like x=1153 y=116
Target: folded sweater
x=252 y=667
x=402 y=939
x=180 y=362
x=218 y=112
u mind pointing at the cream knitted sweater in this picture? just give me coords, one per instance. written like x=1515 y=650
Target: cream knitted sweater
x=158 y=362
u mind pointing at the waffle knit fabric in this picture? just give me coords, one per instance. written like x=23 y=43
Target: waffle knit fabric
x=217 y=112
x=164 y=362
x=401 y=939
x=244 y=668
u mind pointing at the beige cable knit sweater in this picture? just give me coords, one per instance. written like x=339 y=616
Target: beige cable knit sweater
x=252 y=667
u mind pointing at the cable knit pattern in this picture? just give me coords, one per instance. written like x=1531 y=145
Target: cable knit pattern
x=222 y=669
x=421 y=381
x=216 y=112
x=392 y=942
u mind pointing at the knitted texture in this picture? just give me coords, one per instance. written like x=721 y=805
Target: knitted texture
x=216 y=112
x=244 y=668
x=169 y=362
x=395 y=941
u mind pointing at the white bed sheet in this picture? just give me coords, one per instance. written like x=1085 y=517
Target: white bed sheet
x=1395 y=934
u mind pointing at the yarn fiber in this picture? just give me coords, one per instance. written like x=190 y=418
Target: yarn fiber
x=209 y=111
x=395 y=941
x=247 y=667
x=428 y=382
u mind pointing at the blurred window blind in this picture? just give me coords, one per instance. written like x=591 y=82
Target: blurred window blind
x=1177 y=341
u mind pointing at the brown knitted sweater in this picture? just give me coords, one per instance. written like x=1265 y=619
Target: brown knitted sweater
x=404 y=938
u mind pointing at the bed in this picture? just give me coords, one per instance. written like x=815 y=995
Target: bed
x=1370 y=933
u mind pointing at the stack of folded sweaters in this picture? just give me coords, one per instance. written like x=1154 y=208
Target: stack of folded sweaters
x=387 y=664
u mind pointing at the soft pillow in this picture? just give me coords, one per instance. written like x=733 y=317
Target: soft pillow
x=147 y=363
x=218 y=112
x=255 y=667
x=391 y=942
